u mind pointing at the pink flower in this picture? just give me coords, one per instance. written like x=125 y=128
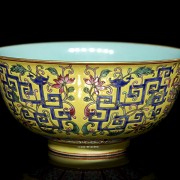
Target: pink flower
x=61 y=82
x=96 y=83
x=99 y=86
x=91 y=81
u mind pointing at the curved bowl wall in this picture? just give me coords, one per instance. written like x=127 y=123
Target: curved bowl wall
x=92 y=102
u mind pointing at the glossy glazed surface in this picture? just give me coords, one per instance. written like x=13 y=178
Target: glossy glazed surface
x=89 y=108
x=89 y=102
x=91 y=52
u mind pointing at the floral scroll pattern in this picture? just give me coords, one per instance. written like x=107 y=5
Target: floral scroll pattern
x=27 y=108
x=116 y=100
x=134 y=117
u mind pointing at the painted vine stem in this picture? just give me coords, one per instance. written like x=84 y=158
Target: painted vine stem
x=61 y=82
x=95 y=84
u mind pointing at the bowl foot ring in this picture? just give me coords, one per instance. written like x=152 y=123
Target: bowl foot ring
x=81 y=156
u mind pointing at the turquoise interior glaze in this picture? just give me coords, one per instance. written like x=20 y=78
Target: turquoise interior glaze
x=91 y=51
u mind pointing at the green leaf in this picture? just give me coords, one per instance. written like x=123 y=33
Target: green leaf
x=75 y=129
x=85 y=127
x=29 y=67
x=143 y=71
x=52 y=70
x=15 y=97
x=129 y=70
x=149 y=101
x=18 y=69
x=105 y=72
x=87 y=99
x=86 y=90
x=115 y=133
x=71 y=98
x=71 y=89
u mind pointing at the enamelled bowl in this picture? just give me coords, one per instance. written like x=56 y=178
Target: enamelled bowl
x=89 y=98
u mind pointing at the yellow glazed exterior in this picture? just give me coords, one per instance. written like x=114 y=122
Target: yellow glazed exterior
x=88 y=104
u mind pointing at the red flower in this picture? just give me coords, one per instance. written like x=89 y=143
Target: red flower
x=86 y=112
x=96 y=83
x=72 y=112
x=61 y=82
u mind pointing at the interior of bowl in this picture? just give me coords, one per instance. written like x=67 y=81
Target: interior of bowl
x=91 y=51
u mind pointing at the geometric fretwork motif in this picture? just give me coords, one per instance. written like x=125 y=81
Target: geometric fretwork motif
x=150 y=86
x=89 y=99
x=12 y=86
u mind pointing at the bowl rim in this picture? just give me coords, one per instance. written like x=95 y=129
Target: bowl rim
x=61 y=61
x=89 y=62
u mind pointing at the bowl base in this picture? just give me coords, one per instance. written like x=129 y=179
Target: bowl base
x=88 y=156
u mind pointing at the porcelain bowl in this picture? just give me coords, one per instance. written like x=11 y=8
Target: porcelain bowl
x=89 y=98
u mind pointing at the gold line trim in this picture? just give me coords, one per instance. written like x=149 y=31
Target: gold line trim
x=91 y=142
x=87 y=155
